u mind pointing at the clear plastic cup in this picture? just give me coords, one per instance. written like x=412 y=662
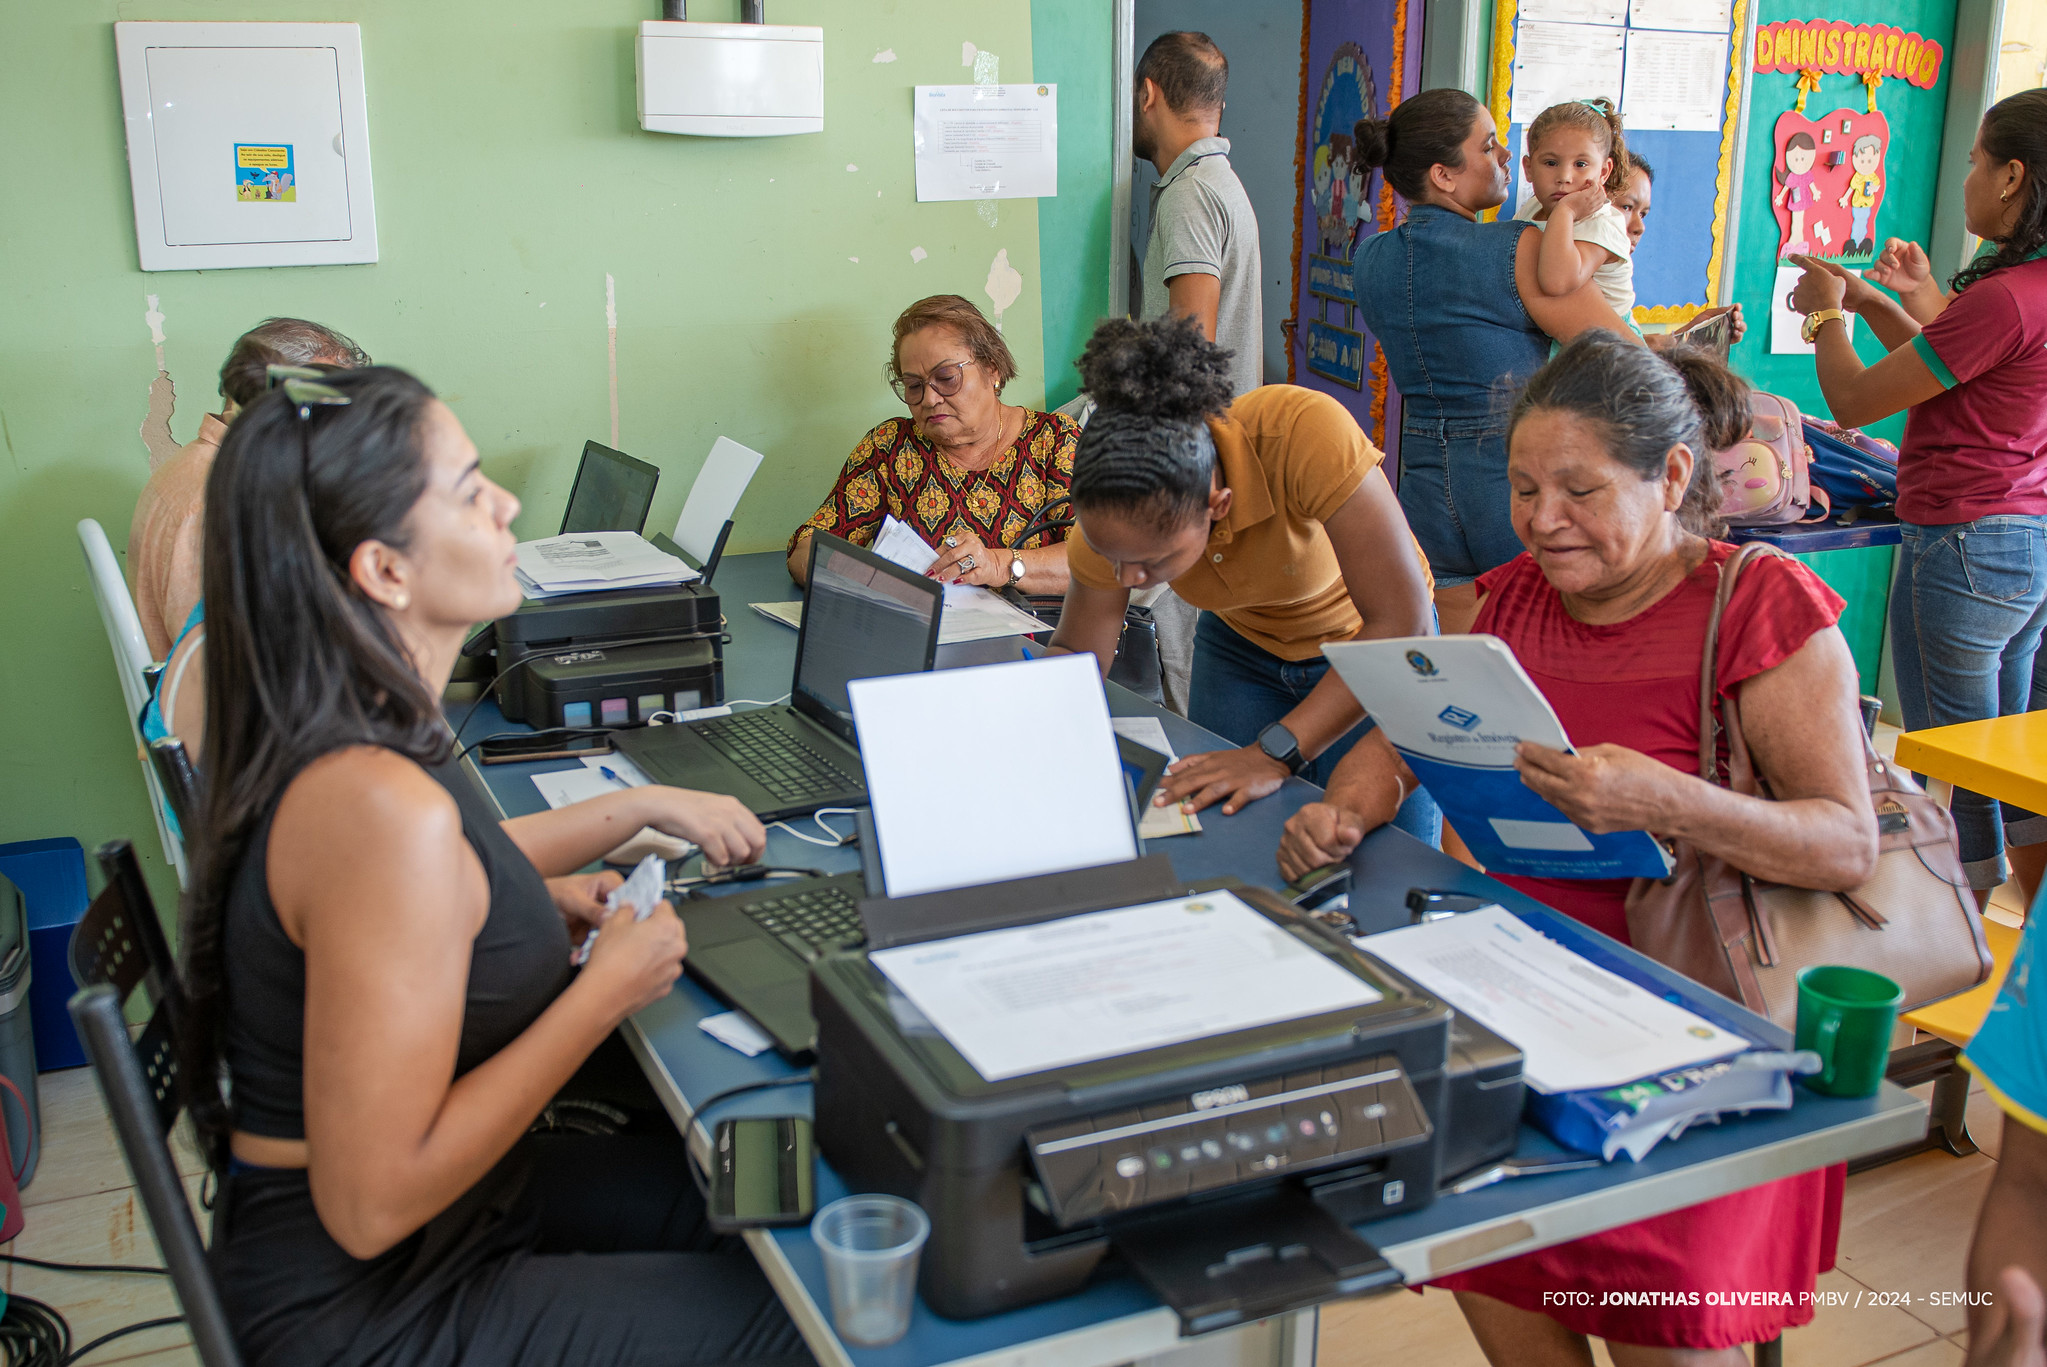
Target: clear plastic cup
x=870 y=1246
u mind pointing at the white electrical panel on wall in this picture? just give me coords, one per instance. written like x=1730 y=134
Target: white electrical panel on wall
x=248 y=144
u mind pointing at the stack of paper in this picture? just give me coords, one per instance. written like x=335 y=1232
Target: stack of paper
x=972 y=613
x=584 y=562
x=1611 y=1066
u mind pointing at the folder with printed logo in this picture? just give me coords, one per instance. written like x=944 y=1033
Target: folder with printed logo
x=1455 y=707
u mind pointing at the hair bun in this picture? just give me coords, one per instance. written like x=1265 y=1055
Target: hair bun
x=1163 y=369
x=1372 y=142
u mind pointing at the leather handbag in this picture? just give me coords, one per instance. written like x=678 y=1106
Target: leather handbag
x=1914 y=921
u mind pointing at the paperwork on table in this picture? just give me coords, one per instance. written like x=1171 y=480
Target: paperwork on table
x=1580 y=1027
x=1115 y=982
x=1455 y=707
x=603 y=774
x=1157 y=822
x=971 y=612
x=584 y=562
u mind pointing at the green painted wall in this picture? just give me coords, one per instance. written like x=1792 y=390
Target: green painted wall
x=511 y=179
x=1911 y=167
x=1073 y=43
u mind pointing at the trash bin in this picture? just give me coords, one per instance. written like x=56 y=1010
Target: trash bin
x=17 y=1033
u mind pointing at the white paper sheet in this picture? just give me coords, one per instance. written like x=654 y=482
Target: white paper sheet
x=1558 y=62
x=565 y=786
x=1158 y=822
x=583 y=562
x=1115 y=982
x=1701 y=16
x=737 y=1030
x=1579 y=1026
x=986 y=141
x=1575 y=11
x=913 y=726
x=715 y=495
x=971 y=613
x=1787 y=322
x=1676 y=81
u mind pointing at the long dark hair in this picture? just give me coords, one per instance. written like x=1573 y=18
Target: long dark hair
x=2015 y=129
x=1425 y=130
x=298 y=662
x=1147 y=449
x=1643 y=403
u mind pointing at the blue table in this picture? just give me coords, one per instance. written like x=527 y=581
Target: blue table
x=1115 y=1319
x=1814 y=537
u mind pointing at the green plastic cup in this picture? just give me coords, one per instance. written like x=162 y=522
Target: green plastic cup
x=1845 y=1015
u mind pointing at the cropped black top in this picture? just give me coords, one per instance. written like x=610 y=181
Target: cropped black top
x=518 y=964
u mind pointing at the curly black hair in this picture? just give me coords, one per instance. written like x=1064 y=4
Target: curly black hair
x=1147 y=448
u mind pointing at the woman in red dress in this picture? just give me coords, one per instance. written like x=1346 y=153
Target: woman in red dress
x=1607 y=611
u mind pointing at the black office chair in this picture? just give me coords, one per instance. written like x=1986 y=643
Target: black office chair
x=118 y=947
x=179 y=779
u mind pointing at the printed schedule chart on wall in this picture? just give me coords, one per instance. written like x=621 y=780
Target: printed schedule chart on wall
x=1671 y=67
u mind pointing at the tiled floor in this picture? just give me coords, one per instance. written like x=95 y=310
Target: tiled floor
x=1906 y=1228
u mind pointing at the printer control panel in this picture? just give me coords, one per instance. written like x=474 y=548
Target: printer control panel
x=1177 y=1146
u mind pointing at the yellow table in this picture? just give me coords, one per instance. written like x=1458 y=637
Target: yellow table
x=2004 y=757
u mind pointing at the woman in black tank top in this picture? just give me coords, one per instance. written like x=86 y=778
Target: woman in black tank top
x=380 y=967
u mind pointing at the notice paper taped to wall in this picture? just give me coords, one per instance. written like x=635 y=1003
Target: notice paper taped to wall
x=986 y=141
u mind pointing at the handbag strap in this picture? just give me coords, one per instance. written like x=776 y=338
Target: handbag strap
x=1742 y=774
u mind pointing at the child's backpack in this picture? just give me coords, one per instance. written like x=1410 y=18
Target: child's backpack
x=1765 y=478
x=1855 y=469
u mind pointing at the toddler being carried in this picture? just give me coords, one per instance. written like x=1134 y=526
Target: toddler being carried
x=1577 y=160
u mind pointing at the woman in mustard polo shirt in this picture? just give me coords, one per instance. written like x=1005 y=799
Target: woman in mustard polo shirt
x=1271 y=515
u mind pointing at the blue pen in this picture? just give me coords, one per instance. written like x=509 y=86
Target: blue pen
x=1027 y=653
x=612 y=774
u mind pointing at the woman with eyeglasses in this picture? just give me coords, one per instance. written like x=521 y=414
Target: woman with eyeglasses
x=965 y=471
x=378 y=967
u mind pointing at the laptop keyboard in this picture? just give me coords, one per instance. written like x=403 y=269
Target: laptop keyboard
x=823 y=919
x=784 y=765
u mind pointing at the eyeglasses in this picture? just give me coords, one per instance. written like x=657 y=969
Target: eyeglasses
x=944 y=380
x=305 y=387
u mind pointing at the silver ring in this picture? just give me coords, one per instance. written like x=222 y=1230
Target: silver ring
x=951 y=542
x=967 y=563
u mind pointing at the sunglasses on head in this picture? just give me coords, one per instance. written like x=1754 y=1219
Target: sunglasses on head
x=305 y=387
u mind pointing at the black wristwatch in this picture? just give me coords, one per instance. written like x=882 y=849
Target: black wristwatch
x=1278 y=742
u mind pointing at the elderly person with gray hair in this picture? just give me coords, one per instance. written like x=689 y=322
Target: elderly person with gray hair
x=965 y=471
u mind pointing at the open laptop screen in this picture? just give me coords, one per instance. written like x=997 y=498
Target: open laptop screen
x=863 y=618
x=612 y=492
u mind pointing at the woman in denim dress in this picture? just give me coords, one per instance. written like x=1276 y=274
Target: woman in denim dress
x=1454 y=304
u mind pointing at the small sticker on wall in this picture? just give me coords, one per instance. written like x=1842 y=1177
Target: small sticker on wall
x=263 y=173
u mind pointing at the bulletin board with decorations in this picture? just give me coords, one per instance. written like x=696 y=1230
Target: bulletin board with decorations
x=1844 y=127
x=1673 y=68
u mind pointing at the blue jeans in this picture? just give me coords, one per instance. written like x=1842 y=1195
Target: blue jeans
x=1966 y=616
x=1453 y=488
x=1238 y=689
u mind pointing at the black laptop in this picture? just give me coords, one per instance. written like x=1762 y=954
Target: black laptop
x=612 y=492
x=863 y=617
x=754 y=949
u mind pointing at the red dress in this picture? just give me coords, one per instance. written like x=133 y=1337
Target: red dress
x=1636 y=683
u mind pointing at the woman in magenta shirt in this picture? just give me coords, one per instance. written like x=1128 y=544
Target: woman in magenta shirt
x=1971 y=594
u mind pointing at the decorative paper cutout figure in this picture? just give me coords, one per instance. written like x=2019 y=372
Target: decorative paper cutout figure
x=1865 y=187
x=1343 y=199
x=1796 y=188
x=1830 y=183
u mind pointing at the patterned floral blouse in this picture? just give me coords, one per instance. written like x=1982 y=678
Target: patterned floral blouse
x=893 y=471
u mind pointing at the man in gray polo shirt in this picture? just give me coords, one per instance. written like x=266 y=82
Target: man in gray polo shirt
x=1202 y=257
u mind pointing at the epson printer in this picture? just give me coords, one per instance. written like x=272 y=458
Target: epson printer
x=1226 y=1170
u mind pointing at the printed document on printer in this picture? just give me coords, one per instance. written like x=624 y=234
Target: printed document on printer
x=1116 y=982
x=1579 y=1026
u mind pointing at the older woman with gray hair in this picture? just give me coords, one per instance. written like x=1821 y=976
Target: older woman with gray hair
x=965 y=471
x=1608 y=460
